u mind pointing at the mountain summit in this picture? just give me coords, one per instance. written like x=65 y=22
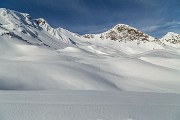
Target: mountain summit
x=122 y=32
x=172 y=37
x=38 y=32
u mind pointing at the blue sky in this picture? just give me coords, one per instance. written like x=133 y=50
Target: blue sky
x=155 y=17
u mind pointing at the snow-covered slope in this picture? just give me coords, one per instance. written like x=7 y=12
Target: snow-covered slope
x=23 y=27
x=130 y=40
x=58 y=33
x=36 y=56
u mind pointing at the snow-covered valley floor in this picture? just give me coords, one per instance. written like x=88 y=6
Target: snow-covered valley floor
x=88 y=105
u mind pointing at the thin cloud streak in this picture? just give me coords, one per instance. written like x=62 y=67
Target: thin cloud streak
x=156 y=28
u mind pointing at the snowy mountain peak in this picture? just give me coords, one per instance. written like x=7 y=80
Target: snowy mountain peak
x=47 y=27
x=16 y=22
x=3 y=10
x=58 y=33
x=13 y=17
x=43 y=23
x=171 y=34
x=122 y=32
x=124 y=26
x=37 y=31
x=12 y=22
x=171 y=38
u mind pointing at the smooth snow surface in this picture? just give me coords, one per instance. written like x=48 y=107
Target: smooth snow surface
x=87 y=67
x=88 y=105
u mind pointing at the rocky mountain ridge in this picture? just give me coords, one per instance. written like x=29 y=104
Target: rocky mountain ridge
x=14 y=23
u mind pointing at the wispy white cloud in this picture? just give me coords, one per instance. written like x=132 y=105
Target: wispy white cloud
x=161 y=26
x=150 y=28
x=161 y=29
